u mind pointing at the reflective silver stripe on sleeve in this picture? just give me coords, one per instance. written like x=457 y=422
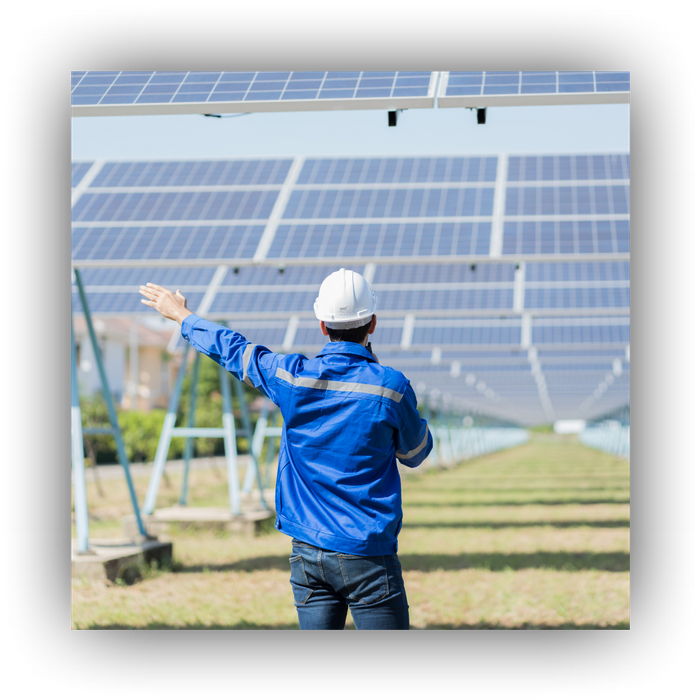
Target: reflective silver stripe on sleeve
x=246 y=359
x=413 y=453
x=327 y=385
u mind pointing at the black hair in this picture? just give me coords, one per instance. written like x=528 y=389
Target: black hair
x=349 y=335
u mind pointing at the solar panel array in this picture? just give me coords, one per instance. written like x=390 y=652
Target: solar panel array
x=95 y=93
x=486 y=88
x=503 y=281
x=181 y=92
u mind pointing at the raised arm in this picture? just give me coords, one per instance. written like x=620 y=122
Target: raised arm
x=253 y=364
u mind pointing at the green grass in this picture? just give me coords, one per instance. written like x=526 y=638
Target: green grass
x=536 y=537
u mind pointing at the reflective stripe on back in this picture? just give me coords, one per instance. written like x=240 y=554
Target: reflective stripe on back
x=327 y=385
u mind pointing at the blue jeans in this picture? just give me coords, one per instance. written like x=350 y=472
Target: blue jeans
x=326 y=583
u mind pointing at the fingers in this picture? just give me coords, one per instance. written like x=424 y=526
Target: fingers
x=157 y=287
x=148 y=303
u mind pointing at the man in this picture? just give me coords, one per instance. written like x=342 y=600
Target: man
x=346 y=421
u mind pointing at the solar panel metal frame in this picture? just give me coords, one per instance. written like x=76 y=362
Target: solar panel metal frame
x=529 y=99
x=257 y=106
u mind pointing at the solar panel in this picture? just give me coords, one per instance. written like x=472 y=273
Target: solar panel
x=497 y=88
x=367 y=171
x=381 y=240
x=174 y=206
x=565 y=237
x=95 y=93
x=139 y=243
x=110 y=303
x=204 y=173
x=78 y=172
x=354 y=208
x=569 y=167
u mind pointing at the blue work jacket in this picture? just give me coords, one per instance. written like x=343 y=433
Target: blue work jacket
x=347 y=419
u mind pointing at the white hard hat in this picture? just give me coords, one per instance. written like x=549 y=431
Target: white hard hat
x=345 y=300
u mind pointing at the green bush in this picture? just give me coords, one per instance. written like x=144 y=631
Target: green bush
x=141 y=430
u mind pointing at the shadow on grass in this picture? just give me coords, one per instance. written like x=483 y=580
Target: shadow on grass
x=533 y=523
x=490 y=561
x=528 y=626
x=467 y=489
x=537 y=502
x=193 y=626
x=252 y=626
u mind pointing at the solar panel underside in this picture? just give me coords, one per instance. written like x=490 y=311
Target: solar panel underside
x=501 y=88
x=95 y=93
x=467 y=292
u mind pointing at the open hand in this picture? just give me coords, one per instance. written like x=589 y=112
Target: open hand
x=172 y=306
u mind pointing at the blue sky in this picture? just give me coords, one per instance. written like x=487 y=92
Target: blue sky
x=560 y=129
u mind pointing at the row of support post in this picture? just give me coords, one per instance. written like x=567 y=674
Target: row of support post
x=609 y=434
x=256 y=439
x=457 y=438
x=227 y=432
x=77 y=431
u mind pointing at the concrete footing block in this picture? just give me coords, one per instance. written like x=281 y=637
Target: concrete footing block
x=118 y=558
x=250 y=522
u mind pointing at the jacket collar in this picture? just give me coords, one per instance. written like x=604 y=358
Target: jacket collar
x=346 y=349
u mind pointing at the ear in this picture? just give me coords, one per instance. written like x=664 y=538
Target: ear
x=372 y=325
x=324 y=330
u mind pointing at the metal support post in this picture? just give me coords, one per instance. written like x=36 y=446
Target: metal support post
x=434 y=456
x=190 y=424
x=116 y=430
x=79 y=492
x=166 y=435
x=230 y=443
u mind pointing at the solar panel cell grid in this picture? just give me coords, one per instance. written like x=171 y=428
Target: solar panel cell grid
x=78 y=172
x=131 y=87
x=555 y=201
x=556 y=237
x=430 y=274
x=446 y=299
x=321 y=171
x=110 y=303
x=393 y=203
x=581 y=167
x=326 y=240
x=180 y=277
x=176 y=206
x=480 y=335
x=568 y=298
x=193 y=174
x=152 y=243
x=264 y=302
x=580 y=334
x=466 y=83
x=577 y=271
x=268 y=276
